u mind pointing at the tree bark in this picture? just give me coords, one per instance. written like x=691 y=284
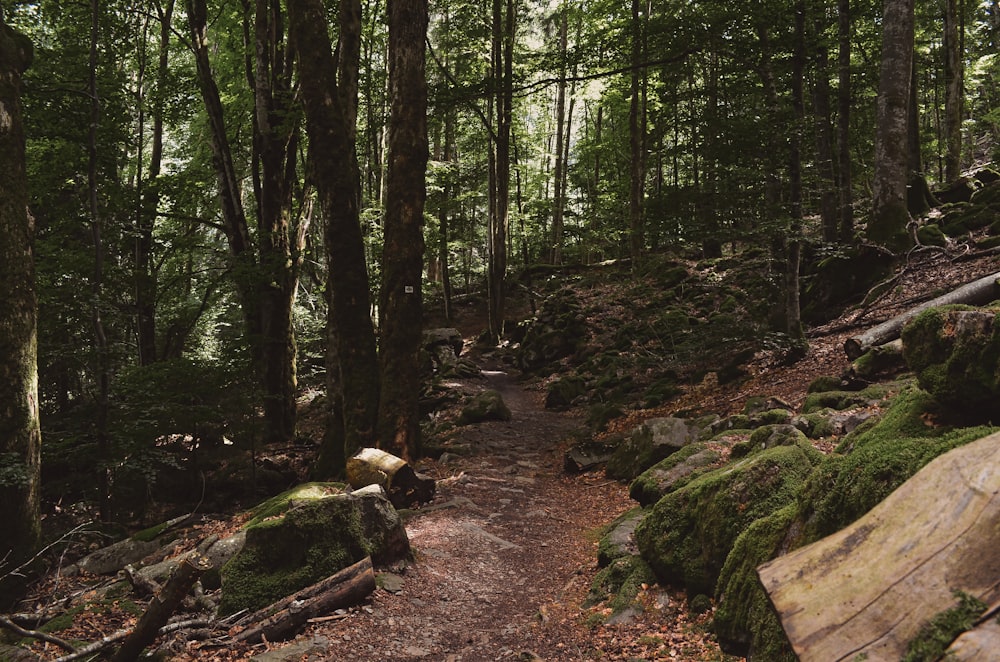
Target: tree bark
x=335 y=180
x=20 y=432
x=404 y=486
x=954 y=94
x=161 y=607
x=825 y=156
x=401 y=297
x=846 y=194
x=637 y=129
x=887 y=225
x=284 y=618
x=978 y=292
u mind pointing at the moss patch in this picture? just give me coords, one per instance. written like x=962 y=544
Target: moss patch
x=744 y=617
x=690 y=532
x=936 y=636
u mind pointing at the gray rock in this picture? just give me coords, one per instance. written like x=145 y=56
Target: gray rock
x=487 y=406
x=649 y=443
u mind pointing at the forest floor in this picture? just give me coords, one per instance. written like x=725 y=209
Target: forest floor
x=503 y=557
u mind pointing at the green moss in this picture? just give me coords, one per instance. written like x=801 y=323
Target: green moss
x=152 y=533
x=744 y=617
x=823 y=384
x=672 y=473
x=955 y=351
x=931 y=235
x=838 y=400
x=936 y=636
x=872 y=462
x=620 y=582
x=690 y=532
x=277 y=505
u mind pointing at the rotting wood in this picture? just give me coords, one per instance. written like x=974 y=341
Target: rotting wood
x=161 y=607
x=404 y=486
x=976 y=293
x=285 y=618
x=865 y=591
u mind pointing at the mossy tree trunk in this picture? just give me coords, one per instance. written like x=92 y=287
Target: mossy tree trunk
x=887 y=225
x=20 y=435
x=334 y=174
x=400 y=299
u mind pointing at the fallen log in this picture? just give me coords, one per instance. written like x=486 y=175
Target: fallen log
x=976 y=293
x=161 y=607
x=404 y=486
x=866 y=591
x=283 y=619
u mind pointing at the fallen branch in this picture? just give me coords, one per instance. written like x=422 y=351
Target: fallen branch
x=285 y=618
x=106 y=642
x=161 y=607
x=977 y=292
x=35 y=634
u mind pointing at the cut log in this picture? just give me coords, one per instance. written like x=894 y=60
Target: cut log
x=866 y=591
x=404 y=486
x=283 y=619
x=161 y=607
x=976 y=293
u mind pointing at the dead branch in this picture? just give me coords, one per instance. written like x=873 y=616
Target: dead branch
x=287 y=616
x=161 y=607
x=35 y=634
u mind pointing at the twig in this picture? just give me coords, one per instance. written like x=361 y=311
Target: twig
x=35 y=634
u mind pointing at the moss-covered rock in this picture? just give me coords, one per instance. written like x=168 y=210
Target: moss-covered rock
x=772 y=436
x=673 y=472
x=955 y=353
x=690 y=532
x=558 y=331
x=876 y=459
x=744 y=619
x=619 y=538
x=649 y=443
x=486 y=406
x=842 y=399
x=306 y=535
x=563 y=392
x=931 y=235
x=620 y=583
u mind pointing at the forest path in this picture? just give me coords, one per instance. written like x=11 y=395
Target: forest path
x=503 y=555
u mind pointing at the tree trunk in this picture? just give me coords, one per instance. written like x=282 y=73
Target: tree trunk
x=887 y=225
x=977 y=293
x=636 y=131
x=953 y=91
x=559 y=195
x=845 y=198
x=502 y=65
x=276 y=144
x=825 y=156
x=20 y=433
x=162 y=607
x=335 y=180
x=149 y=198
x=101 y=348
x=401 y=298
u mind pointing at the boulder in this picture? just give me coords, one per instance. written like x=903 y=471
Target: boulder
x=690 y=531
x=955 y=353
x=651 y=442
x=486 y=406
x=619 y=540
x=308 y=534
x=562 y=392
x=558 y=331
x=672 y=473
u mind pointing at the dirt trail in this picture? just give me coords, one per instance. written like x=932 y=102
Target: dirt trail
x=503 y=556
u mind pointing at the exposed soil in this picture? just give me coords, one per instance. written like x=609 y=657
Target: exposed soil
x=504 y=558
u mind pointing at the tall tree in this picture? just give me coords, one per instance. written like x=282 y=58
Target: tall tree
x=334 y=175
x=502 y=76
x=400 y=297
x=845 y=199
x=889 y=219
x=20 y=431
x=266 y=283
x=953 y=89
x=637 y=133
